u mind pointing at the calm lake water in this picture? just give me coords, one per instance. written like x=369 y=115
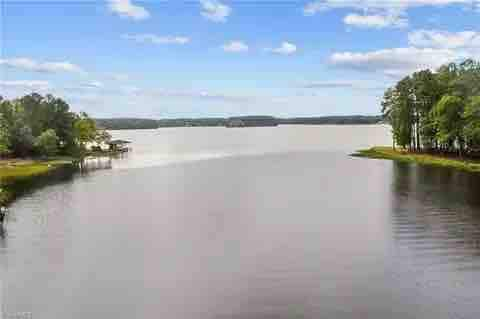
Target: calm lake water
x=247 y=223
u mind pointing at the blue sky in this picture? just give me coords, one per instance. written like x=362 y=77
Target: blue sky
x=218 y=58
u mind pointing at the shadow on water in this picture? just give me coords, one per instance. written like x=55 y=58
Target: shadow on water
x=62 y=175
x=27 y=186
x=436 y=213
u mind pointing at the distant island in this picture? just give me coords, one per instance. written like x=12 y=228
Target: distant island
x=236 y=121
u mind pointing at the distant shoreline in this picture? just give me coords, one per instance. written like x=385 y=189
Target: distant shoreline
x=237 y=121
x=439 y=160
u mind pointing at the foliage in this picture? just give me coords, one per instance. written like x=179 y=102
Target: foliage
x=472 y=123
x=4 y=137
x=36 y=124
x=436 y=111
x=447 y=114
x=102 y=136
x=85 y=129
x=47 y=143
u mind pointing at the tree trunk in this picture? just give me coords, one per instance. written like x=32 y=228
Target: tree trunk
x=417 y=131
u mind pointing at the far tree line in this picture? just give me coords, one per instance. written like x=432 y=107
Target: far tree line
x=139 y=123
x=437 y=111
x=44 y=126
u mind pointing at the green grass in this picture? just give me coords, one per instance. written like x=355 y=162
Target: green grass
x=17 y=171
x=401 y=155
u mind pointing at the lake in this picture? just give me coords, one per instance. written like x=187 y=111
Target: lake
x=246 y=223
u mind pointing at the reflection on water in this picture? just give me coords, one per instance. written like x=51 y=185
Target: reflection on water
x=435 y=220
x=3 y=236
x=286 y=226
x=97 y=163
x=436 y=215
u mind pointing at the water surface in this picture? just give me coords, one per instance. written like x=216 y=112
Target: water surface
x=247 y=223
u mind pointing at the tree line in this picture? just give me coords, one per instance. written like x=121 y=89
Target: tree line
x=36 y=125
x=127 y=123
x=437 y=111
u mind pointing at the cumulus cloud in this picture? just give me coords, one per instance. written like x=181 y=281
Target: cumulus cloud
x=215 y=11
x=377 y=21
x=235 y=47
x=126 y=9
x=444 y=39
x=394 y=62
x=155 y=39
x=285 y=48
x=379 y=14
x=28 y=64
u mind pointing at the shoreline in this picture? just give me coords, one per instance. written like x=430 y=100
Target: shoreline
x=400 y=155
x=18 y=176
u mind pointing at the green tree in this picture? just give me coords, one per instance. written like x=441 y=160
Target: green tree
x=448 y=117
x=467 y=83
x=102 y=136
x=4 y=137
x=85 y=130
x=19 y=133
x=61 y=119
x=30 y=123
x=472 y=124
x=405 y=113
x=390 y=113
x=427 y=92
x=47 y=143
x=33 y=112
x=4 y=129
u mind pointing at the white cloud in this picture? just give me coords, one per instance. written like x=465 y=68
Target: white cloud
x=235 y=47
x=119 y=76
x=285 y=48
x=377 y=21
x=202 y=95
x=379 y=13
x=360 y=85
x=25 y=84
x=126 y=9
x=444 y=39
x=215 y=11
x=155 y=39
x=384 y=5
x=328 y=85
x=27 y=64
x=93 y=85
x=394 y=62
x=429 y=49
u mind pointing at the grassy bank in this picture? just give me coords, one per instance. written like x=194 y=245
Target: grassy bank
x=17 y=175
x=420 y=158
